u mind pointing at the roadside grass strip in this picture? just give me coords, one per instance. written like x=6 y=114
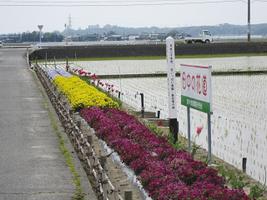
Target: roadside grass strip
x=69 y=159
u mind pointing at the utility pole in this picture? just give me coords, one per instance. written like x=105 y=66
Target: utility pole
x=249 y=28
x=70 y=21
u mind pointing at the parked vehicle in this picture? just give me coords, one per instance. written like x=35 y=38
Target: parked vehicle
x=1 y=44
x=204 y=37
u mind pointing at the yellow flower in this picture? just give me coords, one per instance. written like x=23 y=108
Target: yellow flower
x=82 y=95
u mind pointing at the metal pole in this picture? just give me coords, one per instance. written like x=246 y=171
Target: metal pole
x=249 y=28
x=45 y=59
x=174 y=128
x=209 y=138
x=40 y=27
x=158 y=114
x=244 y=165
x=28 y=57
x=142 y=105
x=189 y=128
x=55 y=62
x=67 y=64
x=120 y=77
x=40 y=37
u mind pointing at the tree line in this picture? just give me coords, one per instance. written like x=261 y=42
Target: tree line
x=32 y=37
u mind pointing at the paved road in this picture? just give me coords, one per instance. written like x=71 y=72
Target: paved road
x=31 y=164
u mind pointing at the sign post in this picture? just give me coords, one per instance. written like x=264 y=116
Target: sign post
x=172 y=88
x=196 y=94
x=46 y=59
x=40 y=27
x=209 y=138
x=188 y=128
x=142 y=105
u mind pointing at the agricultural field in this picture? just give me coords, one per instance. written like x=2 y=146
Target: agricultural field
x=112 y=67
x=239 y=123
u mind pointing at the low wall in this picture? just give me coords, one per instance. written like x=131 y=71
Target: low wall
x=146 y=50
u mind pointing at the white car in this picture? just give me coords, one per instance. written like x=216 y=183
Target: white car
x=204 y=37
x=1 y=44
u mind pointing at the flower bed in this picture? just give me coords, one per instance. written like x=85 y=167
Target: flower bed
x=110 y=88
x=82 y=95
x=52 y=73
x=166 y=173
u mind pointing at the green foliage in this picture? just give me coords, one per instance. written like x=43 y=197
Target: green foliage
x=162 y=57
x=233 y=178
x=195 y=148
x=222 y=171
x=34 y=37
x=178 y=144
x=154 y=128
x=256 y=191
x=236 y=181
x=52 y=37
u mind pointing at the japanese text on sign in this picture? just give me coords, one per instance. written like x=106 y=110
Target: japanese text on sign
x=196 y=87
x=172 y=85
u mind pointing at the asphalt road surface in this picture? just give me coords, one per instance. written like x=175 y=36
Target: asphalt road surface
x=31 y=164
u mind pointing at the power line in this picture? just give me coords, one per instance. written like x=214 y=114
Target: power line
x=125 y=4
x=107 y=1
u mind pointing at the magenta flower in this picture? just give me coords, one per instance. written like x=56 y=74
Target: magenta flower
x=165 y=173
x=199 y=129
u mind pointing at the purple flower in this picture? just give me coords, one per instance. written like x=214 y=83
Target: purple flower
x=165 y=173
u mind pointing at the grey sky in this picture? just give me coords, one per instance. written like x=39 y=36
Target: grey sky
x=19 y=19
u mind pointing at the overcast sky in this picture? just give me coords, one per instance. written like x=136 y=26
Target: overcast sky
x=26 y=18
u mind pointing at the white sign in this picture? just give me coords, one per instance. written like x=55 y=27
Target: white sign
x=172 y=85
x=196 y=87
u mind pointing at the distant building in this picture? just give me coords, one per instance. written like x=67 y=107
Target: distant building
x=114 y=38
x=157 y=36
x=133 y=37
x=144 y=36
x=87 y=37
x=94 y=26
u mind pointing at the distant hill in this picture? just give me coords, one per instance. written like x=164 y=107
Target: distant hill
x=220 y=30
x=113 y=32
